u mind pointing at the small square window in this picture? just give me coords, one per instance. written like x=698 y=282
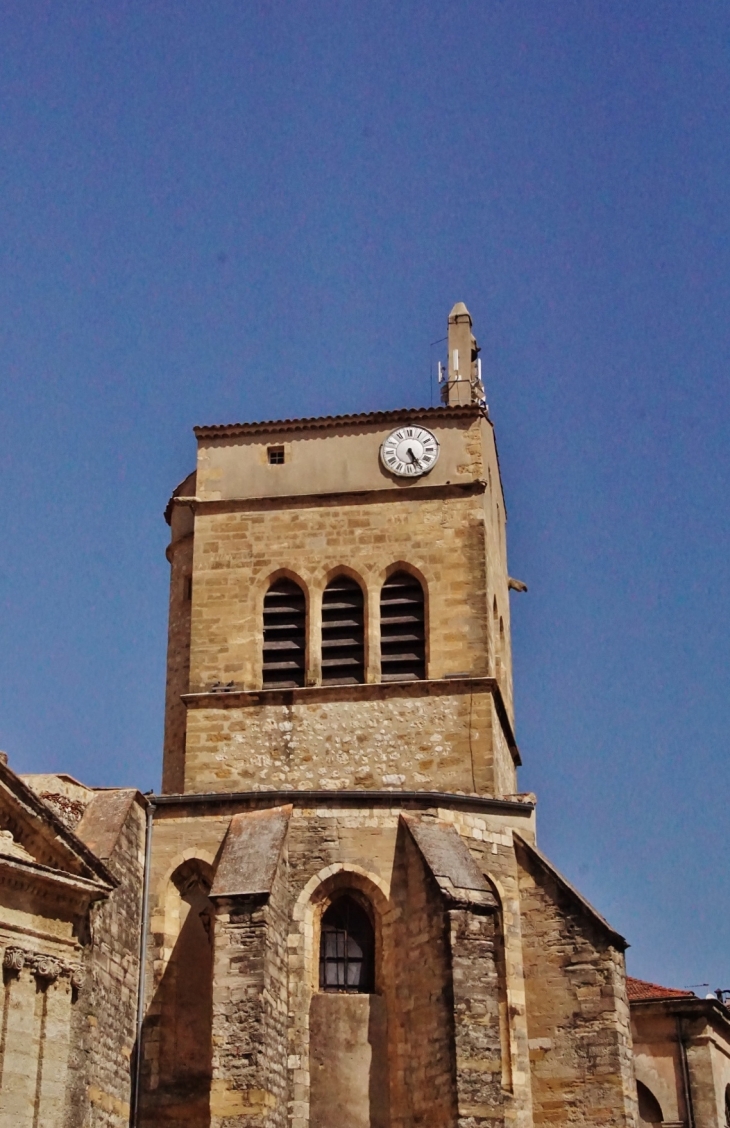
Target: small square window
x=276 y=456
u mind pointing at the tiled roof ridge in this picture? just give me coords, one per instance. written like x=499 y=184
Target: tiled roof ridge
x=641 y=989
x=223 y=429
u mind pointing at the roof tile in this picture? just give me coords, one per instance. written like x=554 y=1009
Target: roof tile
x=640 y=990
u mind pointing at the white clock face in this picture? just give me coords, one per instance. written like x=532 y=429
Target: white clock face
x=410 y=452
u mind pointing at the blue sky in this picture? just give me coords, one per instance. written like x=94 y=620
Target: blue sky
x=225 y=211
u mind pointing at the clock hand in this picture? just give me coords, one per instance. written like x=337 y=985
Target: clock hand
x=413 y=457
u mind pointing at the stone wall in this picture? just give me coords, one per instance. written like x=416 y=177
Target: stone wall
x=663 y=1029
x=463 y=990
x=178 y=660
x=104 y=1027
x=348 y=1055
x=70 y=934
x=365 y=849
x=422 y=1051
x=177 y=1046
x=477 y=971
x=236 y=554
x=35 y=1042
x=250 y=1008
x=416 y=736
x=577 y=1009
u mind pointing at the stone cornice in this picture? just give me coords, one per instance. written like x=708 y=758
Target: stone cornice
x=408 y=491
x=377 y=691
x=687 y=1007
x=396 y=800
x=61 y=842
x=29 y=875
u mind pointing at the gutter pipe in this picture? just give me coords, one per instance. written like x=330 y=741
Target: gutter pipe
x=685 y=1075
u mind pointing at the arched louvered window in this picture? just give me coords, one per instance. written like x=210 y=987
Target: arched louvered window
x=343 y=633
x=284 y=635
x=402 y=629
x=347 y=948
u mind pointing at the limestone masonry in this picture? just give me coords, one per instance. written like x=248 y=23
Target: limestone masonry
x=335 y=914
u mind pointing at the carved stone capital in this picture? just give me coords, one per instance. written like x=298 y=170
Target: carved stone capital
x=48 y=968
x=14 y=959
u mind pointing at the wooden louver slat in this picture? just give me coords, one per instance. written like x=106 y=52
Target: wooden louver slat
x=284 y=635
x=402 y=629
x=343 y=633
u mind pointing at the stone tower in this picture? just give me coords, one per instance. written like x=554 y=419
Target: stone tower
x=350 y=923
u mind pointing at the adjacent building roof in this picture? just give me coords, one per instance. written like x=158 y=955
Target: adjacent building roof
x=639 y=991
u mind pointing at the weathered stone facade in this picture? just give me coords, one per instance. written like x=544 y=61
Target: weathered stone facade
x=335 y=913
x=71 y=864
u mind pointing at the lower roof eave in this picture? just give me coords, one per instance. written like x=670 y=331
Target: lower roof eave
x=690 y=1007
x=359 y=798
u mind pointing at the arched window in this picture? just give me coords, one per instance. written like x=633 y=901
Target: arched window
x=650 y=1111
x=727 y=1106
x=343 y=633
x=346 y=948
x=402 y=629
x=284 y=635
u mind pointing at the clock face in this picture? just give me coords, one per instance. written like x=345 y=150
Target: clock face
x=410 y=452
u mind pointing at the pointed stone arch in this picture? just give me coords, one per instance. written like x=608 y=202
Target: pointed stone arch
x=343 y=628
x=307 y=1023
x=285 y=619
x=404 y=633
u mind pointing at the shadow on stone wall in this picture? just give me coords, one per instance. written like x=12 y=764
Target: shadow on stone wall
x=176 y=1035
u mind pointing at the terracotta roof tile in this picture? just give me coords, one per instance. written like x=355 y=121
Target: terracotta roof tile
x=639 y=990
x=224 y=430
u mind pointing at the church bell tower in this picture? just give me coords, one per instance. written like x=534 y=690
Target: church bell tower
x=337 y=930
x=339 y=588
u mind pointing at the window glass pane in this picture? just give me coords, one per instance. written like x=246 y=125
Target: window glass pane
x=354 y=950
x=354 y=974
x=347 y=947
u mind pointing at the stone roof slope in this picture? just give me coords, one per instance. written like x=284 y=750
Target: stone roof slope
x=43 y=834
x=587 y=909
